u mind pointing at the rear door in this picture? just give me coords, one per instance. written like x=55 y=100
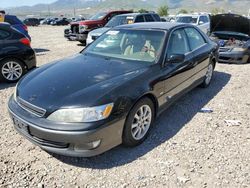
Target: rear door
x=201 y=52
x=4 y=34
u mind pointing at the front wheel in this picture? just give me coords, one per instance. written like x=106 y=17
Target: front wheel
x=138 y=122
x=208 y=77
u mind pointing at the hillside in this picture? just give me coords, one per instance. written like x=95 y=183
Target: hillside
x=92 y=6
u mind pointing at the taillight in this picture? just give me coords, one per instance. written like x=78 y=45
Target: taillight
x=25 y=41
x=25 y=27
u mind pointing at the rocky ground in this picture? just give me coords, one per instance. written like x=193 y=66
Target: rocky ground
x=186 y=148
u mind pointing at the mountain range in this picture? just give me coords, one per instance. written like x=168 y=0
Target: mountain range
x=92 y=6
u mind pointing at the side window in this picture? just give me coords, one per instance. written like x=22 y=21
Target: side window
x=204 y=19
x=4 y=34
x=111 y=16
x=139 y=19
x=149 y=18
x=156 y=17
x=178 y=43
x=195 y=39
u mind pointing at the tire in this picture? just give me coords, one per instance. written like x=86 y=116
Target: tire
x=134 y=133
x=84 y=42
x=11 y=70
x=208 y=77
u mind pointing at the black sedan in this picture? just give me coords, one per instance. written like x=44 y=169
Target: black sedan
x=16 y=55
x=63 y=21
x=112 y=91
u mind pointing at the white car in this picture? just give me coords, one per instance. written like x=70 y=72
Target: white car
x=200 y=20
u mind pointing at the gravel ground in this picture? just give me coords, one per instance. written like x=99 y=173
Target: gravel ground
x=186 y=148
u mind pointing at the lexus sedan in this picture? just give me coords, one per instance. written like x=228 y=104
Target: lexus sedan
x=16 y=55
x=232 y=33
x=111 y=92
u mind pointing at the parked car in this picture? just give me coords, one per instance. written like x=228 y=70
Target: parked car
x=121 y=20
x=113 y=90
x=232 y=33
x=63 y=21
x=17 y=24
x=31 y=22
x=51 y=20
x=79 y=30
x=16 y=55
x=200 y=20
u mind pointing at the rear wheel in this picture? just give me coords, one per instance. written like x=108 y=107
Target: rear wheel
x=208 y=76
x=11 y=70
x=138 y=122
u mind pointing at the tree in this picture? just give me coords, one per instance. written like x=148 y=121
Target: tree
x=163 y=10
x=142 y=10
x=183 y=11
x=217 y=11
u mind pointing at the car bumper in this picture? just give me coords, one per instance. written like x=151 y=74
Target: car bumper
x=235 y=58
x=70 y=143
x=29 y=57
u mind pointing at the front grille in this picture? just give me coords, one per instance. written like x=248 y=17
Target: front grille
x=75 y=29
x=224 y=49
x=40 y=112
x=50 y=143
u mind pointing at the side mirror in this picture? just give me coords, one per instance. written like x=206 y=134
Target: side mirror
x=201 y=22
x=176 y=58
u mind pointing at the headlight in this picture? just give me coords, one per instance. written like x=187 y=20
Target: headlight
x=82 y=115
x=239 y=49
x=83 y=28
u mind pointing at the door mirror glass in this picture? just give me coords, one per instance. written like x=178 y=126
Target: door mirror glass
x=176 y=58
x=201 y=22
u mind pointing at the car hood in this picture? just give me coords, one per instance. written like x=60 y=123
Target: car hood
x=91 y=22
x=76 y=81
x=99 y=32
x=231 y=23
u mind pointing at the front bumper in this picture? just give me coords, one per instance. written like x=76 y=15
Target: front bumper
x=70 y=143
x=233 y=57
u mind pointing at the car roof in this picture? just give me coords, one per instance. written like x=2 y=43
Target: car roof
x=135 y=14
x=113 y=11
x=153 y=25
x=4 y=25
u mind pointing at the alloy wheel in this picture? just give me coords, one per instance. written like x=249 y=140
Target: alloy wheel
x=12 y=70
x=141 y=122
x=209 y=74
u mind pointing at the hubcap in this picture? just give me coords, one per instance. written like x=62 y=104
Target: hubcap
x=141 y=122
x=12 y=70
x=209 y=74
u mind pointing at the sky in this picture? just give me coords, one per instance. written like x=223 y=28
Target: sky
x=17 y=3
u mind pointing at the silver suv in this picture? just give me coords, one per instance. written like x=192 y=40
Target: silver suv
x=202 y=20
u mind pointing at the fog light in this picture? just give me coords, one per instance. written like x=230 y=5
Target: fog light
x=87 y=146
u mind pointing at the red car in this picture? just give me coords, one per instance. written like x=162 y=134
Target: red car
x=79 y=30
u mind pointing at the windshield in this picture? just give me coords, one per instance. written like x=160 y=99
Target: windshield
x=98 y=16
x=118 y=20
x=187 y=19
x=128 y=44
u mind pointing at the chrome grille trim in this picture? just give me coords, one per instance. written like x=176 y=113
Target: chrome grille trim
x=35 y=110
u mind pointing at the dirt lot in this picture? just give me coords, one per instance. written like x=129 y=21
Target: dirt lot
x=186 y=148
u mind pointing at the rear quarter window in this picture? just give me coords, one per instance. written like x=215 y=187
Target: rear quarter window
x=156 y=17
x=13 y=20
